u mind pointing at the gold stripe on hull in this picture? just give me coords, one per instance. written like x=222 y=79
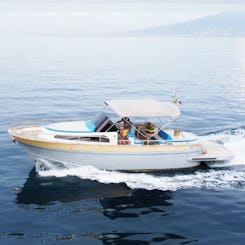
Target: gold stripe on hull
x=105 y=148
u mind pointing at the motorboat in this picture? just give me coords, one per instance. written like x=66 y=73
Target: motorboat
x=135 y=135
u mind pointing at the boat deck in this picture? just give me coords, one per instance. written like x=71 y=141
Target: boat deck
x=213 y=152
x=41 y=133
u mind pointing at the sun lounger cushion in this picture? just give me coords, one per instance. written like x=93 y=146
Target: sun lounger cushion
x=72 y=127
x=164 y=135
x=90 y=125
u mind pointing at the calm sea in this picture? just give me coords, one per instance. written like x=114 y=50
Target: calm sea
x=70 y=77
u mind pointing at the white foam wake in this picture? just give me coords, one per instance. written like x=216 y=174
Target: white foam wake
x=234 y=140
x=222 y=179
x=226 y=136
x=211 y=179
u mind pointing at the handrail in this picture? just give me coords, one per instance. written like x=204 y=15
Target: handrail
x=155 y=141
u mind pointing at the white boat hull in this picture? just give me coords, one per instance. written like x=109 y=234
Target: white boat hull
x=105 y=145
x=127 y=161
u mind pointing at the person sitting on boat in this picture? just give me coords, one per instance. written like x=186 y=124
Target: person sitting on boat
x=148 y=132
x=149 y=128
x=125 y=122
x=125 y=126
x=123 y=136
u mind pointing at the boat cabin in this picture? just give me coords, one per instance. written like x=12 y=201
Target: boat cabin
x=132 y=128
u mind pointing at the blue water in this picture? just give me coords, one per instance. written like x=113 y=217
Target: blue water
x=66 y=77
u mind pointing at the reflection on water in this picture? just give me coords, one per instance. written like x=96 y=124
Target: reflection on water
x=114 y=198
x=117 y=202
x=44 y=191
x=140 y=238
x=139 y=202
x=113 y=238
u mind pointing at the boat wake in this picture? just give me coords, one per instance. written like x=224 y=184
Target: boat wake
x=229 y=178
x=234 y=140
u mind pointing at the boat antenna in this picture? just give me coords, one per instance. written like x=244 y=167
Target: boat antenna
x=176 y=100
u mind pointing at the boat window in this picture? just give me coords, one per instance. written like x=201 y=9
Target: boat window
x=84 y=138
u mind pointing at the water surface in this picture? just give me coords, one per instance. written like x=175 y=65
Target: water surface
x=66 y=77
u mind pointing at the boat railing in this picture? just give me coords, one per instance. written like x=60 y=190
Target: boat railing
x=154 y=142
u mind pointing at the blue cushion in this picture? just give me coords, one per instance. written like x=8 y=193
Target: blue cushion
x=90 y=125
x=164 y=135
x=137 y=142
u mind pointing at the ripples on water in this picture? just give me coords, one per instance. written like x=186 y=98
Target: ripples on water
x=70 y=77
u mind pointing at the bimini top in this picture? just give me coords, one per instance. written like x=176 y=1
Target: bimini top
x=143 y=108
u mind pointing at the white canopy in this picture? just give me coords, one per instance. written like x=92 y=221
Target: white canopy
x=143 y=108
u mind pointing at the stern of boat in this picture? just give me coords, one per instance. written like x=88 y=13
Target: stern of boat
x=213 y=154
